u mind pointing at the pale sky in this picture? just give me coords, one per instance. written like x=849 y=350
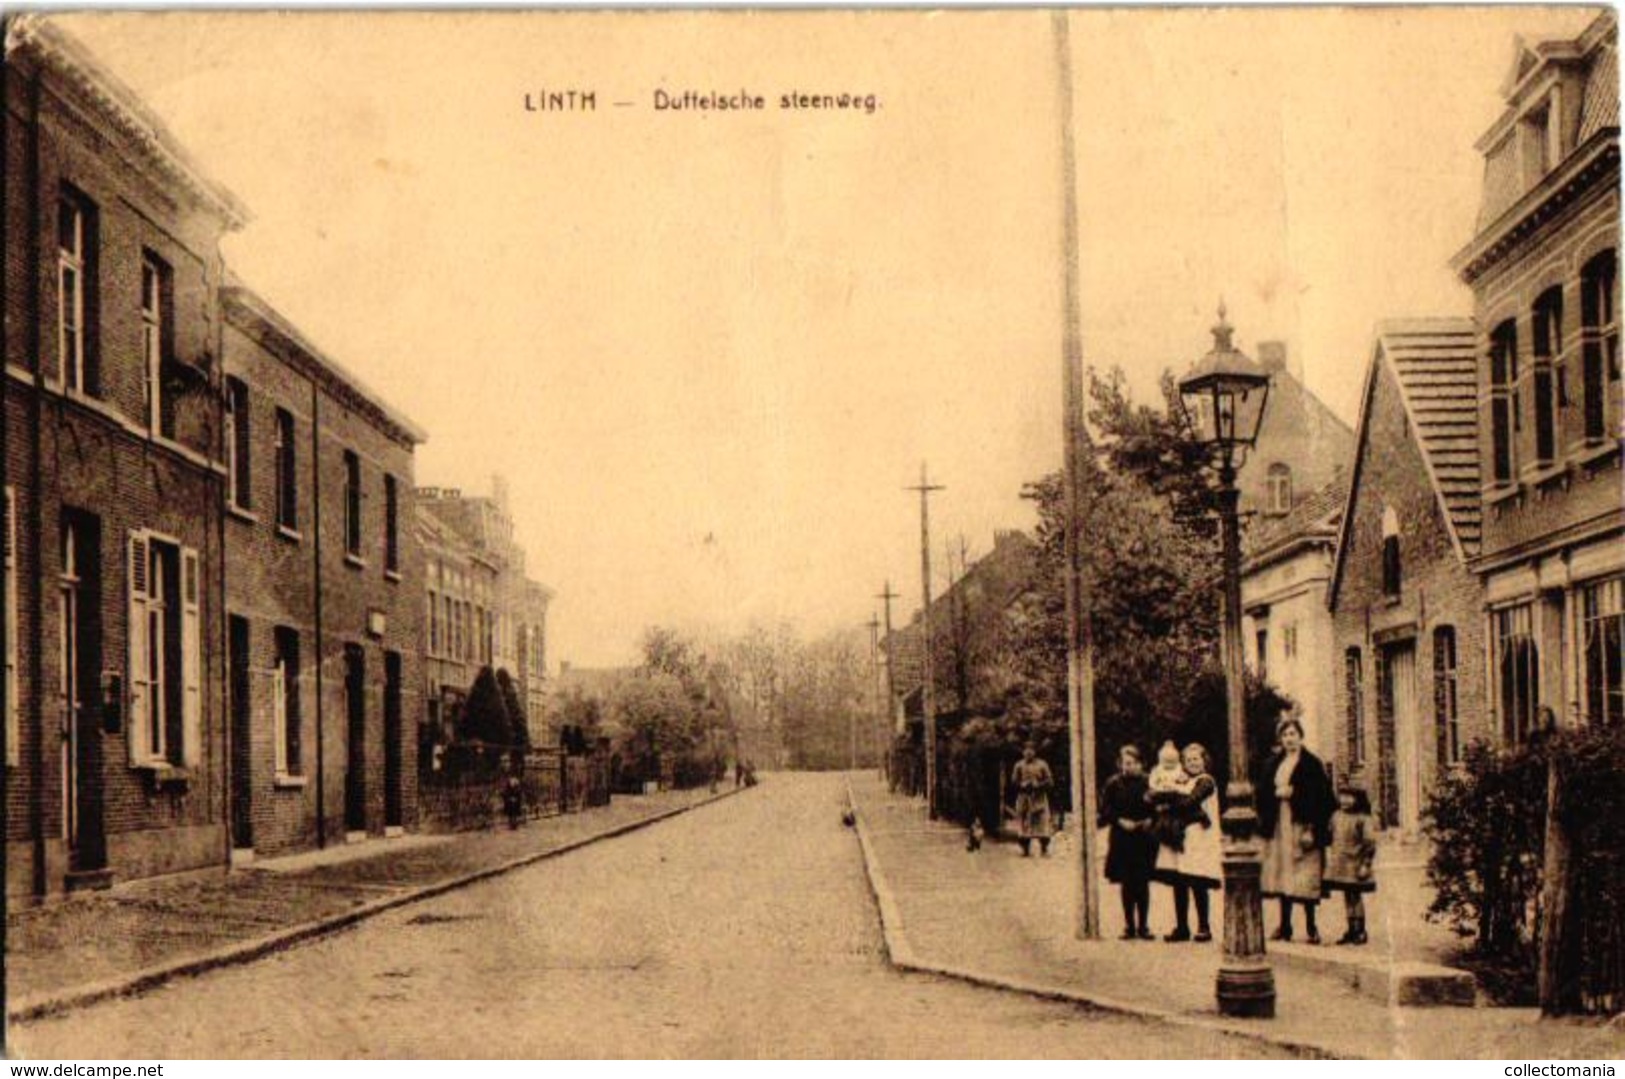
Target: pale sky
x=709 y=351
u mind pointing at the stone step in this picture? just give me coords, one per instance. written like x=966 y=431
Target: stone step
x=1378 y=975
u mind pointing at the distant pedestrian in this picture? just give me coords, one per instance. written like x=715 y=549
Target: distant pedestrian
x=1188 y=857
x=1132 y=849
x=513 y=798
x=1349 y=859
x=739 y=773
x=974 y=835
x=1033 y=781
x=1295 y=806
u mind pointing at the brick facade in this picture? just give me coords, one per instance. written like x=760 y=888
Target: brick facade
x=1543 y=268
x=1392 y=728
x=334 y=605
x=117 y=770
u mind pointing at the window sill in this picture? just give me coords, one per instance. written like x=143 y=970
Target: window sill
x=292 y=535
x=354 y=561
x=163 y=773
x=392 y=575
x=1502 y=493
x=242 y=514
x=1596 y=451
x=285 y=781
x=1545 y=475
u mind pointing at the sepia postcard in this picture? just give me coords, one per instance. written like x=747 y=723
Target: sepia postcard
x=844 y=534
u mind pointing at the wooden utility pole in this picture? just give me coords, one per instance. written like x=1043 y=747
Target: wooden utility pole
x=874 y=667
x=927 y=691
x=886 y=597
x=1080 y=666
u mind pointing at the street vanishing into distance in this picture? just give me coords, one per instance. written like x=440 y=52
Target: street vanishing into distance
x=742 y=929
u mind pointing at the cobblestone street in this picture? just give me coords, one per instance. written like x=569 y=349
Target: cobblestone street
x=740 y=929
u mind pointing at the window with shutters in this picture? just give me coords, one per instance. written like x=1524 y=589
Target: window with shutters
x=75 y=290
x=239 y=441
x=1602 y=642
x=287 y=475
x=285 y=712
x=166 y=652
x=1599 y=344
x=13 y=708
x=1504 y=419
x=1354 y=685
x=1516 y=669
x=1446 y=718
x=1548 y=354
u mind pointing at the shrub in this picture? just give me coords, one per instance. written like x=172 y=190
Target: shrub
x=1487 y=823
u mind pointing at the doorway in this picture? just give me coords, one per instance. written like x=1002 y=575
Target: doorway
x=1399 y=739
x=355 y=767
x=242 y=733
x=393 y=748
x=79 y=661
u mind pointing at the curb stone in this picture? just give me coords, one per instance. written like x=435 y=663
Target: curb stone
x=241 y=952
x=900 y=954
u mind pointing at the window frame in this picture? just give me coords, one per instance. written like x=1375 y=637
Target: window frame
x=287 y=472
x=392 y=524
x=1512 y=628
x=1599 y=344
x=286 y=711
x=1546 y=333
x=1505 y=421
x=239 y=438
x=1602 y=607
x=73 y=294
x=352 y=505
x=157 y=337
x=1447 y=695
x=1354 y=713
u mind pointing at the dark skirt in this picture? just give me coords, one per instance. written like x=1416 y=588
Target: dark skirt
x=1130 y=856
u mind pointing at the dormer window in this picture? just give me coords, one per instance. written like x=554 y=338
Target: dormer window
x=1535 y=147
x=1278 y=494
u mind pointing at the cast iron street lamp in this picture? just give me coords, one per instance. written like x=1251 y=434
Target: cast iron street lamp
x=1223 y=398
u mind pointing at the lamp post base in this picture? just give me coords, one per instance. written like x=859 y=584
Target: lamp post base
x=1246 y=984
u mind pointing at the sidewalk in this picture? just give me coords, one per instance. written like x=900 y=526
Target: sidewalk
x=1000 y=919
x=137 y=935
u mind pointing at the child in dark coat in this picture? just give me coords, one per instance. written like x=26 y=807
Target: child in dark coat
x=1349 y=859
x=1132 y=847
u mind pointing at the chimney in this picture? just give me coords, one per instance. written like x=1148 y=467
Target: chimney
x=499 y=491
x=1272 y=356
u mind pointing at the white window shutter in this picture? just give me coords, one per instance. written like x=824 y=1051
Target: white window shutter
x=13 y=727
x=140 y=675
x=191 y=661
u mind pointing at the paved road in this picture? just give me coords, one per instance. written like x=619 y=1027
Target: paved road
x=743 y=929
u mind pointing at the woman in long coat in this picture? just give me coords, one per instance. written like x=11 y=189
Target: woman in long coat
x=1131 y=847
x=1032 y=779
x=1295 y=806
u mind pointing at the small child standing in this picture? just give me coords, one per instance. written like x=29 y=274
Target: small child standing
x=1132 y=850
x=1349 y=859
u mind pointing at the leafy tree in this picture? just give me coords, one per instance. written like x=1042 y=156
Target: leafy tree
x=485 y=715
x=518 y=724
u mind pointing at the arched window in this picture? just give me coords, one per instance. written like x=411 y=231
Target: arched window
x=1599 y=337
x=1278 y=495
x=1390 y=552
x=1503 y=400
x=1548 y=371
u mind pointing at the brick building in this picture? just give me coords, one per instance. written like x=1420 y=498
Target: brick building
x=497 y=615
x=114 y=638
x=323 y=579
x=459 y=588
x=1406 y=609
x=1543 y=267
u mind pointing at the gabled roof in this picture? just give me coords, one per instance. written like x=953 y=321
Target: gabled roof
x=1434 y=361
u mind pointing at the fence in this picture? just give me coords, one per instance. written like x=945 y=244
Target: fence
x=464 y=791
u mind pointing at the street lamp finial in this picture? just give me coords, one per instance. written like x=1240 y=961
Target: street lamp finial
x=1222 y=330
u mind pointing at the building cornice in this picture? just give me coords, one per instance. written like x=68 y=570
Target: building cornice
x=1560 y=189
x=251 y=314
x=1592 y=528
x=139 y=129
